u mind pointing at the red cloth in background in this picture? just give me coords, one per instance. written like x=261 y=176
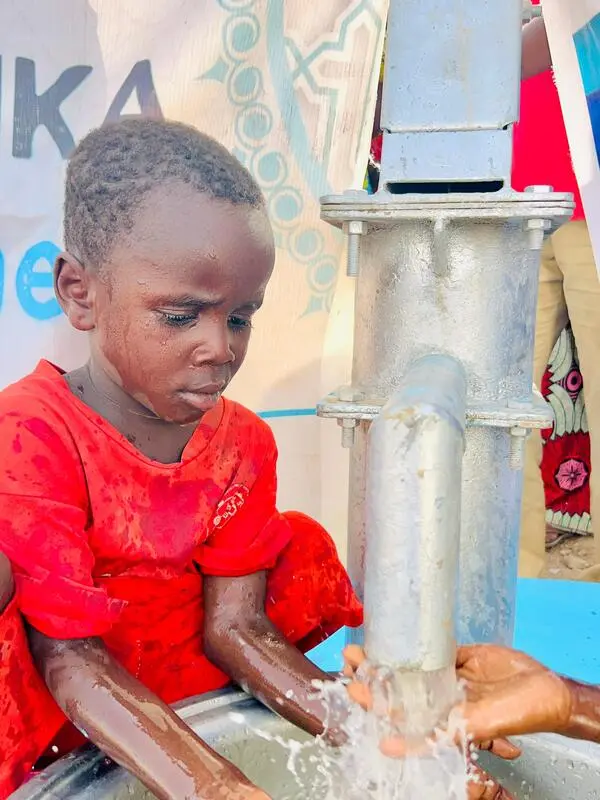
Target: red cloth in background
x=105 y=542
x=376 y=147
x=541 y=153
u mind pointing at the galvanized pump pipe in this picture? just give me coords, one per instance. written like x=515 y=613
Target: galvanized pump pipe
x=416 y=446
x=446 y=260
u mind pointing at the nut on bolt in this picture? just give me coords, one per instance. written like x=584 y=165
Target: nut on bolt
x=347 y=394
x=538 y=227
x=348 y=427
x=537 y=231
x=354 y=230
x=516 y=453
x=539 y=188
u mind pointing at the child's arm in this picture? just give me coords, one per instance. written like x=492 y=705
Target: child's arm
x=132 y=726
x=241 y=640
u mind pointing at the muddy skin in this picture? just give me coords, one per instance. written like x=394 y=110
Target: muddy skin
x=132 y=726
x=241 y=640
x=7 y=585
x=168 y=332
x=169 y=320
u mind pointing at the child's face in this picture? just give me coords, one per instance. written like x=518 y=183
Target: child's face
x=170 y=315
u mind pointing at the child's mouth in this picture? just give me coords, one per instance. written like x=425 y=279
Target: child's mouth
x=202 y=400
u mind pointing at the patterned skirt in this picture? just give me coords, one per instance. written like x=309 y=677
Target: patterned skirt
x=566 y=463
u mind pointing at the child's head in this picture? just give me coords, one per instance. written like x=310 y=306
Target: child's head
x=168 y=254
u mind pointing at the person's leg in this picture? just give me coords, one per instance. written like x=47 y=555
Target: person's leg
x=551 y=319
x=574 y=254
x=310 y=596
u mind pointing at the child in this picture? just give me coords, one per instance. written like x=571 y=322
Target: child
x=137 y=506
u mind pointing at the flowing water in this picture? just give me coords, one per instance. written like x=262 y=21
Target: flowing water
x=411 y=707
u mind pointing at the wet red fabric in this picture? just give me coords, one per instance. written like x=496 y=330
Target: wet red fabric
x=105 y=542
x=29 y=717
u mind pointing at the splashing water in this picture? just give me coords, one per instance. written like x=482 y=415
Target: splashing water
x=407 y=706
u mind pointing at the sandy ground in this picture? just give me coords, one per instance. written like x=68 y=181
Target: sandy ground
x=569 y=559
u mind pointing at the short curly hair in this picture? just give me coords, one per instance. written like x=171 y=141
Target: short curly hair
x=114 y=166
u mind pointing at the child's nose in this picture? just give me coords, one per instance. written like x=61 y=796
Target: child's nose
x=215 y=346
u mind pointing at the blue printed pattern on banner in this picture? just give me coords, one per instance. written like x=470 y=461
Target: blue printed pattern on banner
x=288 y=67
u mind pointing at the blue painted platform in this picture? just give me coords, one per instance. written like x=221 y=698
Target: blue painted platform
x=558 y=622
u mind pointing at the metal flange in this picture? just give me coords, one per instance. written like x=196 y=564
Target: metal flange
x=535 y=414
x=350 y=407
x=386 y=208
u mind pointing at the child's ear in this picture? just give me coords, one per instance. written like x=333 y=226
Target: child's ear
x=74 y=287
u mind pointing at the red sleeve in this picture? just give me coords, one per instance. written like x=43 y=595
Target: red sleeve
x=248 y=532
x=43 y=522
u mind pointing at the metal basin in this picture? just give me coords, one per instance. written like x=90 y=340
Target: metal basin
x=552 y=768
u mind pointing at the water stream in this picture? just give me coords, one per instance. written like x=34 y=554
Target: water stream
x=408 y=706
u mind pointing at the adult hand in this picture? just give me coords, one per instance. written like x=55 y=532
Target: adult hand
x=483 y=787
x=507 y=694
x=510 y=694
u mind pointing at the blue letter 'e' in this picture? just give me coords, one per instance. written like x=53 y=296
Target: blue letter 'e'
x=28 y=279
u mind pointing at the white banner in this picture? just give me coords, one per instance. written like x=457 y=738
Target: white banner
x=288 y=86
x=573 y=28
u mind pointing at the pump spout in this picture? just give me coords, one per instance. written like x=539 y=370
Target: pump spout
x=415 y=453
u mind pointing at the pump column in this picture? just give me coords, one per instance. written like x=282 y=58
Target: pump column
x=446 y=258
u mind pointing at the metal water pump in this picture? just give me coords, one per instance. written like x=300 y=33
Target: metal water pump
x=446 y=258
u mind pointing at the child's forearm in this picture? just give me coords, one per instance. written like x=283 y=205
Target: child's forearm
x=584 y=722
x=536 y=56
x=259 y=658
x=131 y=725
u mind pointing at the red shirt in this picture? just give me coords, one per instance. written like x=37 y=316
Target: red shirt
x=106 y=542
x=541 y=153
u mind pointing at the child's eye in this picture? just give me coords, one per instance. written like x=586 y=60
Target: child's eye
x=177 y=320
x=239 y=323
